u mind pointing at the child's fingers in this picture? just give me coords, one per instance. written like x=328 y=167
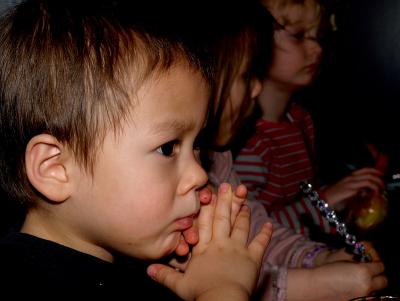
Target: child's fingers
x=369 y=248
x=379 y=280
x=183 y=248
x=205 y=195
x=239 y=198
x=205 y=221
x=180 y=263
x=191 y=235
x=165 y=275
x=367 y=170
x=260 y=242
x=240 y=231
x=375 y=268
x=222 y=215
x=241 y=191
x=365 y=182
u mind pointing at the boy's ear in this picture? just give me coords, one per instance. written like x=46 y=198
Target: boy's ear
x=47 y=164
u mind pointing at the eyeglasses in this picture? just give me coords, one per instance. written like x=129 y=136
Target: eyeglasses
x=299 y=36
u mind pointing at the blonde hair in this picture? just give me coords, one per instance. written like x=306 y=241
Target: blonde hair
x=292 y=12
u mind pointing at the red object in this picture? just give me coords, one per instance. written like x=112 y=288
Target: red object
x=381 y=159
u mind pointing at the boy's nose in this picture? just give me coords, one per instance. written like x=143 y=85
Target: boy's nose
x=194 y=177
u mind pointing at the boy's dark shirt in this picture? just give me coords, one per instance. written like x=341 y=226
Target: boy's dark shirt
x=32 y=266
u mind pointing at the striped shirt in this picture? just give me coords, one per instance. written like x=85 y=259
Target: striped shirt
x=273 y=163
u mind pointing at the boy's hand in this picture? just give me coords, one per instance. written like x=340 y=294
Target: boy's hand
x=223 y=263
x=191 y=235
x=238 y=200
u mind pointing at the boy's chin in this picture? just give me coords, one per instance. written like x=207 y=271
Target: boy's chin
x=166 y=249
x=159 y=249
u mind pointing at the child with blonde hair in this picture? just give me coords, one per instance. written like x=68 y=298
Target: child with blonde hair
x=279 y=153
x=294 y=267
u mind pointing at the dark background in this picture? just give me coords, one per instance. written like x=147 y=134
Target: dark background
x=355 y=100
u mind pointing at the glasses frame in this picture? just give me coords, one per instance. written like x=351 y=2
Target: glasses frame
x=296 y=36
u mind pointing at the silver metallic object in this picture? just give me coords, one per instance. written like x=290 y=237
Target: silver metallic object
x=358 y=248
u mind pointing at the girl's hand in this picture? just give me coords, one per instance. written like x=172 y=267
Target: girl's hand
x=347 y=188
x=329 y=256
x=337 y=281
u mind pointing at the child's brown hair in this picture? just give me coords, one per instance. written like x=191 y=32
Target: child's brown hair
x=248 y=34
x=73 y=73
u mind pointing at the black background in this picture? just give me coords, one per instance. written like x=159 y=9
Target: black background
x=356 y=100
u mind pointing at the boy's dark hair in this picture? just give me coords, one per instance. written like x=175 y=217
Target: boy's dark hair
x=71 y=68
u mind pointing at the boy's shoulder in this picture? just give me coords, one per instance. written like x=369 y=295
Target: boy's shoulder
x=31 y=265
x=14 y=249
x=32 y=262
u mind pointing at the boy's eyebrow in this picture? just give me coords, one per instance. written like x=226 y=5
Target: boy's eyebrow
x=173 y=124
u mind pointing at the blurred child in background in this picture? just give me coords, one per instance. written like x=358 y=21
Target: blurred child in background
x=294 y=268
x=279 y=152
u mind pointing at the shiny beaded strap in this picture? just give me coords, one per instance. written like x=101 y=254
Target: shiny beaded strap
x=358 y=248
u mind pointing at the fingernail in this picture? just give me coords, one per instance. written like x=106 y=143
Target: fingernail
x=267 y=226
x=204 y=197
x=224 y=187
x=245 y=207
x=152 y=272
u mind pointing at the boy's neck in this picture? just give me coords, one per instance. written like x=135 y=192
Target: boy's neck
x=40 y=223
x=274 y=101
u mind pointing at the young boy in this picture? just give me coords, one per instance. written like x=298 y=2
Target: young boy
x=101 y=104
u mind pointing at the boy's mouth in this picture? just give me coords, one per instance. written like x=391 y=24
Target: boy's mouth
x=184 y=223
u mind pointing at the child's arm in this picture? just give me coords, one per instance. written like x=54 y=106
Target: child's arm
x=336 y=277
x=330 y=256
x=339 y=281
x=223 y=265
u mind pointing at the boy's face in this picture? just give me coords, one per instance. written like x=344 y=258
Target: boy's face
x=296 y=52
x=143 y=192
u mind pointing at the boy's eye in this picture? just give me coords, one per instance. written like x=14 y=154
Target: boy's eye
x=168 y=149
